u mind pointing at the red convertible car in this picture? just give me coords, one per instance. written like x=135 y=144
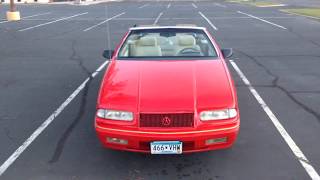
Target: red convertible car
x=167 y=90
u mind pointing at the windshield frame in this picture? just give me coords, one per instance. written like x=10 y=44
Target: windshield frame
x=173 y=58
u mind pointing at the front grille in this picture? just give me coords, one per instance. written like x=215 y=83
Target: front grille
x=167 y=120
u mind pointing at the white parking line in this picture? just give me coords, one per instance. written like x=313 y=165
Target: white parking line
x=211 y=24
x=255 y=17
x=167 y=18
x=143 y=6
x=273 y=5
x=133 y=19
x=192 y=18
x=1 y=22
x=292 y=145
x=36 y=15
x=43 y=24
x=157 y=19
x=47 y=122
x=27 y=17
x=220 y=5
x=89 y=28
x=169 y=5
x=246 y=17
x=195 y=6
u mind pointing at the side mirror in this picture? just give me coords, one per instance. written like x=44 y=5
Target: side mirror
x=108 y=54
x=227 y=52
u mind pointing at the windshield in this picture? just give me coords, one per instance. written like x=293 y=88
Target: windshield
x=170 y=43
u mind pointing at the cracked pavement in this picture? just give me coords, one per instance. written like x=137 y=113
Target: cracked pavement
x=41 y=67
x=275 y=84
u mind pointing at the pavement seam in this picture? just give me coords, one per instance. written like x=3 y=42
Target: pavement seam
x=66 y=134
x=64 y=137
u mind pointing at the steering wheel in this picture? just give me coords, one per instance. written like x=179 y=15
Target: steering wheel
x=189 y=51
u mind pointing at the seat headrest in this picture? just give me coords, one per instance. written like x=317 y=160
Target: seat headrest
x=147 y=41
x=186 y=40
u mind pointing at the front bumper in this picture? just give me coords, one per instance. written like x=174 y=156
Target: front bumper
x=193 y=141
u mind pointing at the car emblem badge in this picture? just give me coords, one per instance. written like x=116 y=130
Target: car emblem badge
x=166 y=121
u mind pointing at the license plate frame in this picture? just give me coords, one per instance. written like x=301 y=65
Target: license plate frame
x=166 y=147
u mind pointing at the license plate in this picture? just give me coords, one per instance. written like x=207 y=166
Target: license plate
x=166 y=147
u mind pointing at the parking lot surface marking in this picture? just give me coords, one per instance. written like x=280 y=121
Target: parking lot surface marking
x=37 y=76
x=28 y=17
x=94 y=26
x=210 y=23
x=283 y=132
x=220 y=5
x=47 y=23
x=143 y=6
x=255 y=17
x=157 y=19
x=48 y=121
x=37 y=15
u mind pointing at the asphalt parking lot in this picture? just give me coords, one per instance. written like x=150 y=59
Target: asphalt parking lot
x=47 y=100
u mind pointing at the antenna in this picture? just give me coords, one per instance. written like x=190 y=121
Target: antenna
x=108 y=29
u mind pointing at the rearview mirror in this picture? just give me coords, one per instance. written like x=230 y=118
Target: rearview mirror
x=108 y=54
x=227 y=52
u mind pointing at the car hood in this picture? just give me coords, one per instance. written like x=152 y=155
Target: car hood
x=166 y=86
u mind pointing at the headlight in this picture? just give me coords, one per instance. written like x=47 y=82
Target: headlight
x=218 y=114
x=115 y=115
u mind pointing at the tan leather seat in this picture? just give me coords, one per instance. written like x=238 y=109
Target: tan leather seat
x=185 y=41
x=146 y=46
